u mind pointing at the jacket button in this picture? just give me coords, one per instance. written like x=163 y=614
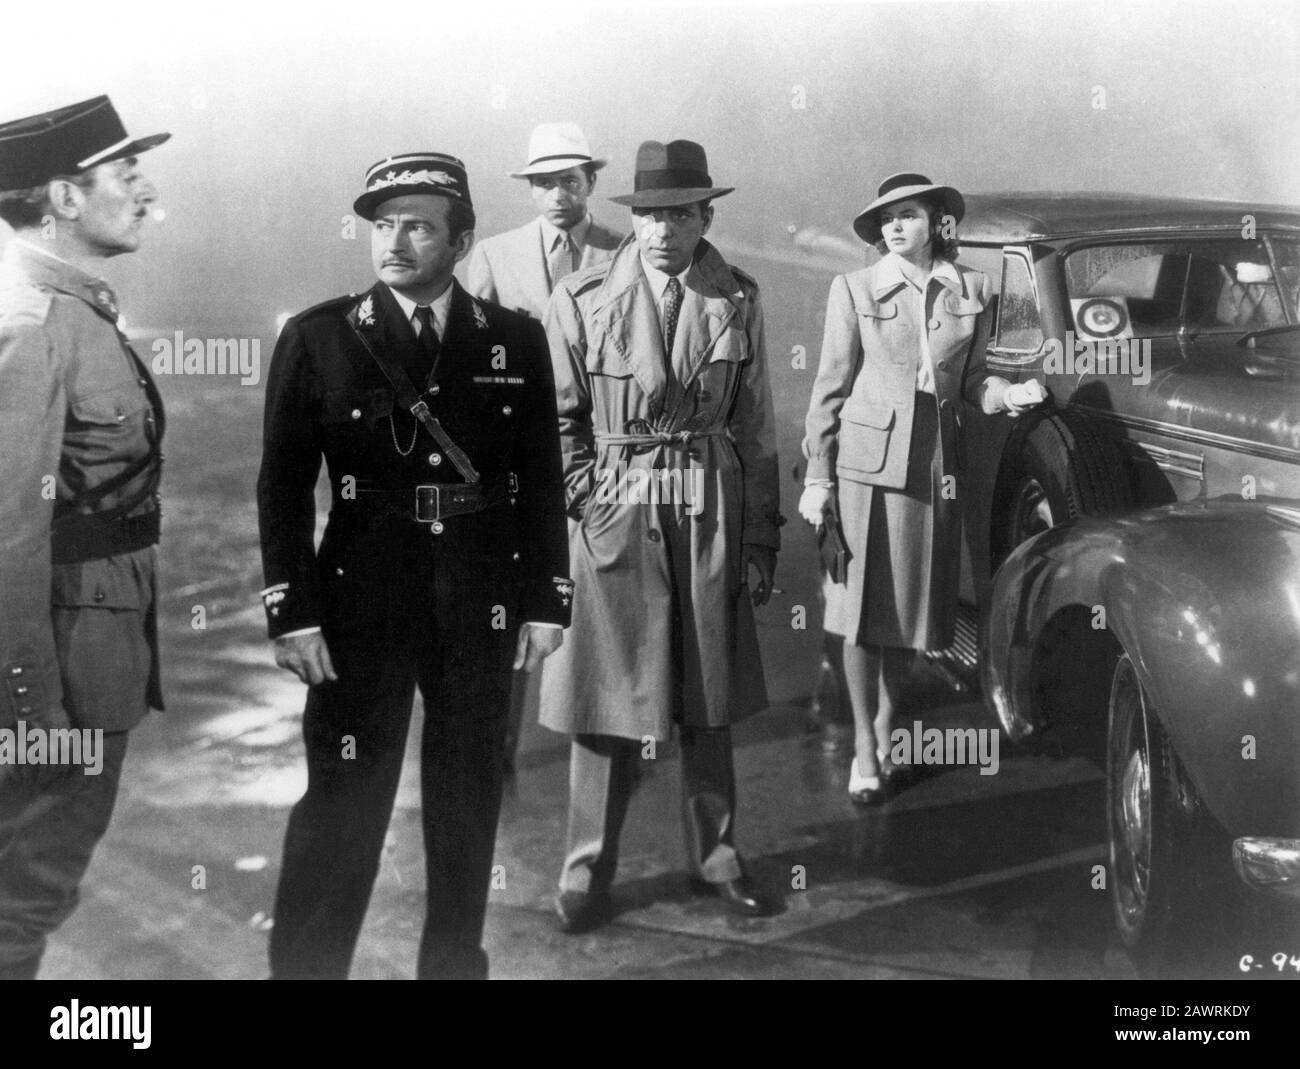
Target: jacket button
x=436 y=527
x=653 y=534
x=942 y=365
x=435 y=459
x=338 y=571
x=435 y=389
x=16 y=671
x=121 y=418
x=934 y=324
x=142 y=382
x=25 y=710
x=99 y=596
x=506 y=410
x=356 y=413
x=21 y=688
x=515 y=557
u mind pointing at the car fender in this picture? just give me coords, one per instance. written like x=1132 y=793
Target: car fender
x=1205 y=597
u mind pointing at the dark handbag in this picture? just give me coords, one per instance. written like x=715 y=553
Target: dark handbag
x=834 y=550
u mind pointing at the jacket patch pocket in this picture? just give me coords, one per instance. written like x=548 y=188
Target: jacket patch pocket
x=864 y=438
x=108 y=408
x=107 y=583
x=353 y=406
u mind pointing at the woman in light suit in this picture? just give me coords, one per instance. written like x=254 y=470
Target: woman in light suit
x=882 y=442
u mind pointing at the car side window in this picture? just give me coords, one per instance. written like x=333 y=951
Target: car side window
x=1019 y=330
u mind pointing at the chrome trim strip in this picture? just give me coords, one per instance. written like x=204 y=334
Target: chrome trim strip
x=1187 y=434
x=1190 y=464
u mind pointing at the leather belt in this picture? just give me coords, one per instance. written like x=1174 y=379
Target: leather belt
x=433 y=502
x=437 y=501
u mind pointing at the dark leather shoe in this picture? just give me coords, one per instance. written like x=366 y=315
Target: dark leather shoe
x=581 y=911
x=740 y=896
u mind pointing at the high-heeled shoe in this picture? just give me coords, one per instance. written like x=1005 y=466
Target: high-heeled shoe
x=866 y=790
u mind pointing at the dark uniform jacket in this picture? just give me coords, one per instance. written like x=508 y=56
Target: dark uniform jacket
x=491 y=389
x=80 y=430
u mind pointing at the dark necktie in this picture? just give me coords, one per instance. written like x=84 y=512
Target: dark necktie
x=672 y=308
x=427 y=339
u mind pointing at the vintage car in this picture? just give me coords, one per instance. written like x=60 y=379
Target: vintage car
x=1136 y=542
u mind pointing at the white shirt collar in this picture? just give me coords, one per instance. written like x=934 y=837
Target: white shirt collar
x=551 y=233
x=439 y=308
x=659 y=281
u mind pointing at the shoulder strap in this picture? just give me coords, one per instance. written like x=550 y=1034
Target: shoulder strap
x=410 y=400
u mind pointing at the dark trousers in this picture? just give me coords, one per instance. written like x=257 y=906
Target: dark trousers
x=602 y=774
x=51 y=818
x=355 y=731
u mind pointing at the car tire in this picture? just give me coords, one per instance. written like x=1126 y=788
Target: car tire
x=1166 y=876
x=1063 y=468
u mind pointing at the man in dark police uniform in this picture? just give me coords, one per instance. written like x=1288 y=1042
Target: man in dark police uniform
x=443 y=565
x=81 y=428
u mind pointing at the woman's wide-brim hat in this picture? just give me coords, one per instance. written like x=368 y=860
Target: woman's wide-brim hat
x=410 y=173
x=669 y=175
x=557 y=146
x=904 y=186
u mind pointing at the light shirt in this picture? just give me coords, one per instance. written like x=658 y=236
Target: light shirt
x=578 y=235
x=438 y=308
x=659 y=282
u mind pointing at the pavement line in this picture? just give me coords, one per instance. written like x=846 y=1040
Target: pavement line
x=987 y=879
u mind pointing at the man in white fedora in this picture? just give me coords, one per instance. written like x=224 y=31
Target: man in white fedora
x=519 y=269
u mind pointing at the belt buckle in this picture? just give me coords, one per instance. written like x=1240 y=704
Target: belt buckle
x=428 y=503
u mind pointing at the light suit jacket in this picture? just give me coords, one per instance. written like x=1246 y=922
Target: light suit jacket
x=510 y=269
x=859 y=423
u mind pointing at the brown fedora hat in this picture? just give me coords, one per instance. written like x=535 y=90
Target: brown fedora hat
x=903 y=186
x=671 y=174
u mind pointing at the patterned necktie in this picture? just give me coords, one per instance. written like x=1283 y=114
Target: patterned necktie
x=560 y=261
x=671 y=310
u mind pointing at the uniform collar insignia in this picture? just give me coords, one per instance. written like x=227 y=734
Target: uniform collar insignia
x=366 y=311
x=480 y=318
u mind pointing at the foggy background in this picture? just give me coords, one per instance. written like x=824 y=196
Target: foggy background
x=276 y=114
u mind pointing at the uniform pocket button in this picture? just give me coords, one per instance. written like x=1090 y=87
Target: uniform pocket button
x=435 y=390
x=653 y=534
x=435 y=459
x=436 y=527
x=356 y=413
x=943 y=365
x=99 y=596
x=338 y=571
x=506 y=410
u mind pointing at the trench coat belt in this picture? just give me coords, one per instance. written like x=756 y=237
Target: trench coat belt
x=658 y=440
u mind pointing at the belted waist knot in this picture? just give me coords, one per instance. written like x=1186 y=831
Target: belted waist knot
x=639 y=434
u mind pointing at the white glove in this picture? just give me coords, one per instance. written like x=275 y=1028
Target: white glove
x=1021 y=396
x=814 y=502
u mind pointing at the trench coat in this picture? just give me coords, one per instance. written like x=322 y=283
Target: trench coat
x=859 y=432
x=81 y=426
x=619 y=671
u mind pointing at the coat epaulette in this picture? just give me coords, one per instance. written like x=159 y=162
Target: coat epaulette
x=744 y=278
x=332 y=304
x=586 y=279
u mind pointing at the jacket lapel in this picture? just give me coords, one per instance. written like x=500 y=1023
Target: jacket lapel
x=530 y=261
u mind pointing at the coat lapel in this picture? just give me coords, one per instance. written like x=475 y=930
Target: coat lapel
x=713 y=298
x=624 y=314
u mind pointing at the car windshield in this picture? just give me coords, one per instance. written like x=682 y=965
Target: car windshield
x=1219 y=285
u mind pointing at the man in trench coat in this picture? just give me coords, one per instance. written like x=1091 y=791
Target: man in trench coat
x=666 y=424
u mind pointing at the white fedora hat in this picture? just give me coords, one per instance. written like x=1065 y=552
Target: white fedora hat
x=556 y=146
